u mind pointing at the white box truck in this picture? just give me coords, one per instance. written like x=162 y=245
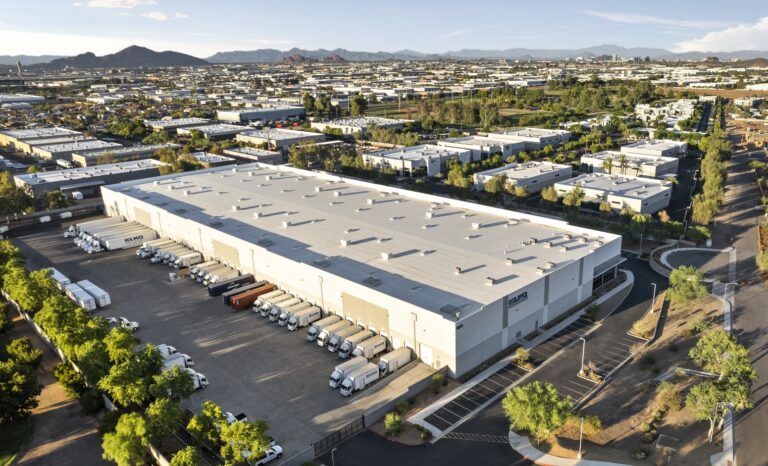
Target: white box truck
x=166 y=350
x=318 y=326
x=176 y=359
x=80 y=296
x=188 y=259
x=221 y=276
x=127 y=240
x=371 y=347
x=102 y=297
x=199 y=381
x=350 y=342
x=263 y=299
x=304 y=318
x=330 y=331
x=271 y=302
x=359 y=378
x=205 y=275
x=394 y=360
x=341 y=371
x=287 y=313
x=60 y=279
x=278 y=308
x=338 y=337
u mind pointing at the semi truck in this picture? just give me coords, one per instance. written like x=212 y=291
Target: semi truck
x=341 y=371
x=246 y=299
x=149 y=249
x=271 y=302
x=359 y=378
x=217 y=289
x=263 y=298
x=206 y=272
x=328 y=332
x=127 y=239
x=163 y=253
x=187 y=260
x=350 y=342
x=370 y=347
x=228 y=295
x=199 y=381
x=80 y=296
x=274 y=313
x=286 y=313
x=336 y=340
x=100 y=296
x=394 y=360
x=60 y=279
x=221 y=276
x=318 y=326
x=74 y=230
x=195 y=269
x=303 y=318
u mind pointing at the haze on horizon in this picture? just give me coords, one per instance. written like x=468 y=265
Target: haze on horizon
x=202 y=28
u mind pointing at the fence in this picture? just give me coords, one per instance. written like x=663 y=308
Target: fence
x=335 y=438
x=22 y=225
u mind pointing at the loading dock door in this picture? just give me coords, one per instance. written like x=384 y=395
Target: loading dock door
x=360 y=310
x=227 y=254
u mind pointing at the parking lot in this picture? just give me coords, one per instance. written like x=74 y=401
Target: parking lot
x=253 y=365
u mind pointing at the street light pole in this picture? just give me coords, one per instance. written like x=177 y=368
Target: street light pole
x=581 y=434
x=583 y=350
x=333 y=458
x=653 y=300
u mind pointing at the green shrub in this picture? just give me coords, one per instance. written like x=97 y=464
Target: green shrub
x=70 y=379
x=438 y=380
x=22 y=351
x=109 y=421
x=591 y=312
x=5 y=319
x=424 y=433
x=91 y=401
x=700 y=325
x=393 y=423
x=403 y=406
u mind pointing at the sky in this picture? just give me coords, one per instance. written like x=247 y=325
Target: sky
x=204 y=27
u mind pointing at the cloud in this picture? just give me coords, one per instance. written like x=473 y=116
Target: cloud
x=629 y=18
x=740 y=37
x=160 y=16
x=118 y=3
x=452 y=34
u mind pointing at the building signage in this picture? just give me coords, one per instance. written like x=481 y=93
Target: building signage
x=518 y=299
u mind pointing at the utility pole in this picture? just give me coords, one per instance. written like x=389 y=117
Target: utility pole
x=583 y=350
x=581 y=434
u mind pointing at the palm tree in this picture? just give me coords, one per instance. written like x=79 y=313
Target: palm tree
x=623 y=163
x=607 y=164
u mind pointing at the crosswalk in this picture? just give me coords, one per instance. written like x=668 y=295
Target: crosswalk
x=477 y=437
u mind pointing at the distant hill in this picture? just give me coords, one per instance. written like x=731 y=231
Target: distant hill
x=297 y=58
x=131 y=57
x=27 y=60
x=334 y=59
x=276 y=56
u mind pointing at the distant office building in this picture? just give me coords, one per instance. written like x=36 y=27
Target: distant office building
x=643 y=195
x=65 y=150
x=278 y=138
x=21 y=99
x=120 y=155
x=657 y=147
x=425 y=159
x=357 y=125
x=28 y=146
x=171 y=125
x=633 y=164
x=482 y=147
x=212 y=160
x=252 y=154
x=534 y=138
x=86 y=180
x=214 y=131
x=533 y=176
x=13 y=137
x=263 y=114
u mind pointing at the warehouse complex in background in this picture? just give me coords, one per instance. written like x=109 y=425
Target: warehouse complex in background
x=426 y=159
x=534 y=138
x=264 y=114
x=533 y=176
x=360 y=125
x=643 y=195
x=629 y=163
x=455 y=281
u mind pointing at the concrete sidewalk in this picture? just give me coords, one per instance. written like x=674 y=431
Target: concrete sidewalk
x=529 y=452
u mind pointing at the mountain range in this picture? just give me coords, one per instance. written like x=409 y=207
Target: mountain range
x=136 y=56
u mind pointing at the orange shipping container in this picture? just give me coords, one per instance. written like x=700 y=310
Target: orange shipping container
x=247 y=298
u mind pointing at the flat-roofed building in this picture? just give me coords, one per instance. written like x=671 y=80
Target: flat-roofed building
x=533 y=176
x=212 y=160
x=65 y=150
x=214 y=131
x=252 y=154
x=28 y=146
x=643 y=195
x=351 y=126
x=456 y=281
x=171 y=125
x=534 y=138
x=263 y=114
x=629 y=163
x=426 y=159
x=21 y=99
x=482 y=147
x=657 y=147
x=120 y=155
x=11 y=137
x=86 y=180
x=278 y=138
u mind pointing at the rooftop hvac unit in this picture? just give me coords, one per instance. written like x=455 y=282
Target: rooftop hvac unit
x=540 y=270
x=370 y=201
x=386 y=255
x=476 y=226
x=373 y=281
x=235 y=208
x=429 y=214
x=344 y=243
x=457 y=271
x=550 y=265
x=490 y=281
x=568 y=236
x=322 y=263
x=564 y=248
x=511 y=261
x=286 y=224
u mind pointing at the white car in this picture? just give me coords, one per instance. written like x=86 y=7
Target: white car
x=274 y=452
x=124 y=323
x=231 y=418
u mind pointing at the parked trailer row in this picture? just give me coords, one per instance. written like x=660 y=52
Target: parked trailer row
x=74 y=230
x=113 y=236
x=60 y=279
x=80 y=297
x=99 y=295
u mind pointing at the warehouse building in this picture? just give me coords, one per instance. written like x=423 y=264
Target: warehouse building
x=534 y=138
x=212 y=160
x=263 y=114
x=482 y=148
x=425 y=159
x=533 y=176
x=630 y=163
x=643 y=195
x=360 y=125
x=120 y=155
x=86 y=181
x=65 y=150
x=6 y=99
x=13 y=137
x=171 y=125
x=278 y=138
x=657 y=147
x=214 y=131
x=28 y=146
x=455 y=281
x=252 y=154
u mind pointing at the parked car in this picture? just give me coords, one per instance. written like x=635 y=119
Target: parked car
x=131 y=325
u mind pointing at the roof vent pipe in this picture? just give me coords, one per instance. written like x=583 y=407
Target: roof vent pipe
x=457 y=271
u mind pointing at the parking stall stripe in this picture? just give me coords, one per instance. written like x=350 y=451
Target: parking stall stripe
x=495 y=383
x=445 y=412
x=580 y=385
x=466 y=398
x=491 y=389
x=506 y=379
x=572 y=390
x=456 y=403
x=439 y=421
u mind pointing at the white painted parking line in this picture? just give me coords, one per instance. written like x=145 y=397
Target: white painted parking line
x=445 y=408
x=447 y=422
x=580 y=385
x=503 y=377
x=456 y=402
x=631 y=340
x=466 y=398
x=572 y=390
x=478 y=394
x=494 y=382
x=614 y=352
x=489 y=388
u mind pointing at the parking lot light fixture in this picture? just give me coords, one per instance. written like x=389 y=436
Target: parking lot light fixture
x=333 y=458
x=653 y=300
x=583 y=350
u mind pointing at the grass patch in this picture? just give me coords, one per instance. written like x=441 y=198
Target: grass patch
x=13 y=439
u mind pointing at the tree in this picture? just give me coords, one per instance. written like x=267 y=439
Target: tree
x=175 y=384
x=18 y=391
x=56 y=200
x=393 y=423
x=685 y=285
x=127 y=445
x=5 y=319
x=718 y=352
x=537 y=408
x=309 y=102
x=574 y=197
x=605 y=207
x=664 y=216
x=488 y=114
x=124 y=383
x=207 y=425
x=70 y=379
x=243 y=440
x=358 y=105
x=607 y=164
x=13 y=199
x=120 y=344
x=92 y=359
x=762 y=261
x=549 y=194
x=623 y=163
x=189 y=456
x=300 y=154
x=707 y=401
x=22 y=351
x=163 y=418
